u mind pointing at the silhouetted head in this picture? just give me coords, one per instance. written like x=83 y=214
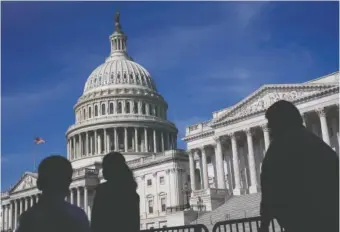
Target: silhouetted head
x=55 y=175
x=282 y=116
x=115 y=169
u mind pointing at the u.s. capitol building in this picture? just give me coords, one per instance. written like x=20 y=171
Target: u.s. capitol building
x=121 y=110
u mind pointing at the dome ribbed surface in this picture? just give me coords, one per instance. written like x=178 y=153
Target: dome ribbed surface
x=119 y=72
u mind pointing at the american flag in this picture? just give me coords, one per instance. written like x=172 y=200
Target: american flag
x=38 y=140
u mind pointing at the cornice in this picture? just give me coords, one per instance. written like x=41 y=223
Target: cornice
x=201 y=135
x=123 y=121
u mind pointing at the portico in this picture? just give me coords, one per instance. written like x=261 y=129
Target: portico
x=236 y=139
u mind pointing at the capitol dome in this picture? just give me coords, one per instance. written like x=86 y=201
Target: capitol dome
x=119 y=110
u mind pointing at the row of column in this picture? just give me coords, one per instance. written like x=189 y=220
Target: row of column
x=235 y=159
x=12 y=210
x=119 y=139
x=120 y=107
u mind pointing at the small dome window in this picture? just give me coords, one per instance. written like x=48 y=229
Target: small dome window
x=103 y=109
x=127 y=107
x=95 y=110
x=90 y=112
x=111 y=108
x=119 y=108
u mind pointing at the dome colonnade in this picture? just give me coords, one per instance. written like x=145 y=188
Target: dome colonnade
x=120 y=109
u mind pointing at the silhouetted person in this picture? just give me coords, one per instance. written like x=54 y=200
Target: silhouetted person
x=300 y=178
x=116 y=202
x=52 y=213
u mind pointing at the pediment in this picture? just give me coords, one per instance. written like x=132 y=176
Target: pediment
x=27 y=181
x=261 y=99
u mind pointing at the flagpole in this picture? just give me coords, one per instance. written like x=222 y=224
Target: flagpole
x=34 y=156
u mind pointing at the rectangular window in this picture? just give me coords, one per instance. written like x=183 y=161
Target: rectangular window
x=149 y=182
x=163 y=204
x=161 y=180
x=150 y=203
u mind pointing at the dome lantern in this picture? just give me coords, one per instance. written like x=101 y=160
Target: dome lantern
x=118 y=41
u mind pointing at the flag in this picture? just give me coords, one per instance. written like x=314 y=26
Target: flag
x=38 y=140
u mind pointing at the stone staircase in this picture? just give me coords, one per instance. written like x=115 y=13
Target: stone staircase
x=236 y=207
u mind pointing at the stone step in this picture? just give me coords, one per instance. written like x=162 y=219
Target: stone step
x=236 y=207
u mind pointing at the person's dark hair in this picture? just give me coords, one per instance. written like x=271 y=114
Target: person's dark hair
x=116 y=170
x=55 y=175
x=283 y=115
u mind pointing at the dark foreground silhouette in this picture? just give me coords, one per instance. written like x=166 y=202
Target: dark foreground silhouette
x=52 y=213
x=116 y=203
x=300 y=176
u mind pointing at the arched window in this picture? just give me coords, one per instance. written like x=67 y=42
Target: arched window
x=103 y=109
x=127 y=107
x=84 y=114
x=143 y=108
x=90 y=112
x=135 y=107
x=96 y=110
x=111 y=108
x=119 y=108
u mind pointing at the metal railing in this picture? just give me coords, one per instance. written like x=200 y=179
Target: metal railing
x=245 y=225
x=187 y=228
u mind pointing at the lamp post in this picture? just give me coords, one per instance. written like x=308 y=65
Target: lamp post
x=186 y=190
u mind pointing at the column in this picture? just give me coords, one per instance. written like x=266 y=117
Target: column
x=131 y=106
x=4 y=219
x=32 y=202
x=175 y=186
x=95 y=142
x=324 y=126
x=71 y=196
x=266 y=136
x=74 y=147
x=162 y=141
x=80 y=152
x=146 y=139
x=105 y=141
x=219 y=163
x=125 y=139
x=192 y=170
x=68 y=149
x=99 y=141
x=116 y=138
x=87 y=144
x=237 y=189
x=78 y=196
x=10 y=220
x=205 y=168
x=91 y=143
x=251 y=162
x=26 y=203
x=15 y=213
x=154 y=141
x=136 y=140
x=85 y=199
x=21 y=206
x=201 y=171
x=108 y=141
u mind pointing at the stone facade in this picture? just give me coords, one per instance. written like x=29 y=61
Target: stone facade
x=226 y=152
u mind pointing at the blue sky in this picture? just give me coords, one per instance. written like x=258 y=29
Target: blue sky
x=203 y=56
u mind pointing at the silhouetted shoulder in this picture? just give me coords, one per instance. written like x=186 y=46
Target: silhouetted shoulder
x=78 y=214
